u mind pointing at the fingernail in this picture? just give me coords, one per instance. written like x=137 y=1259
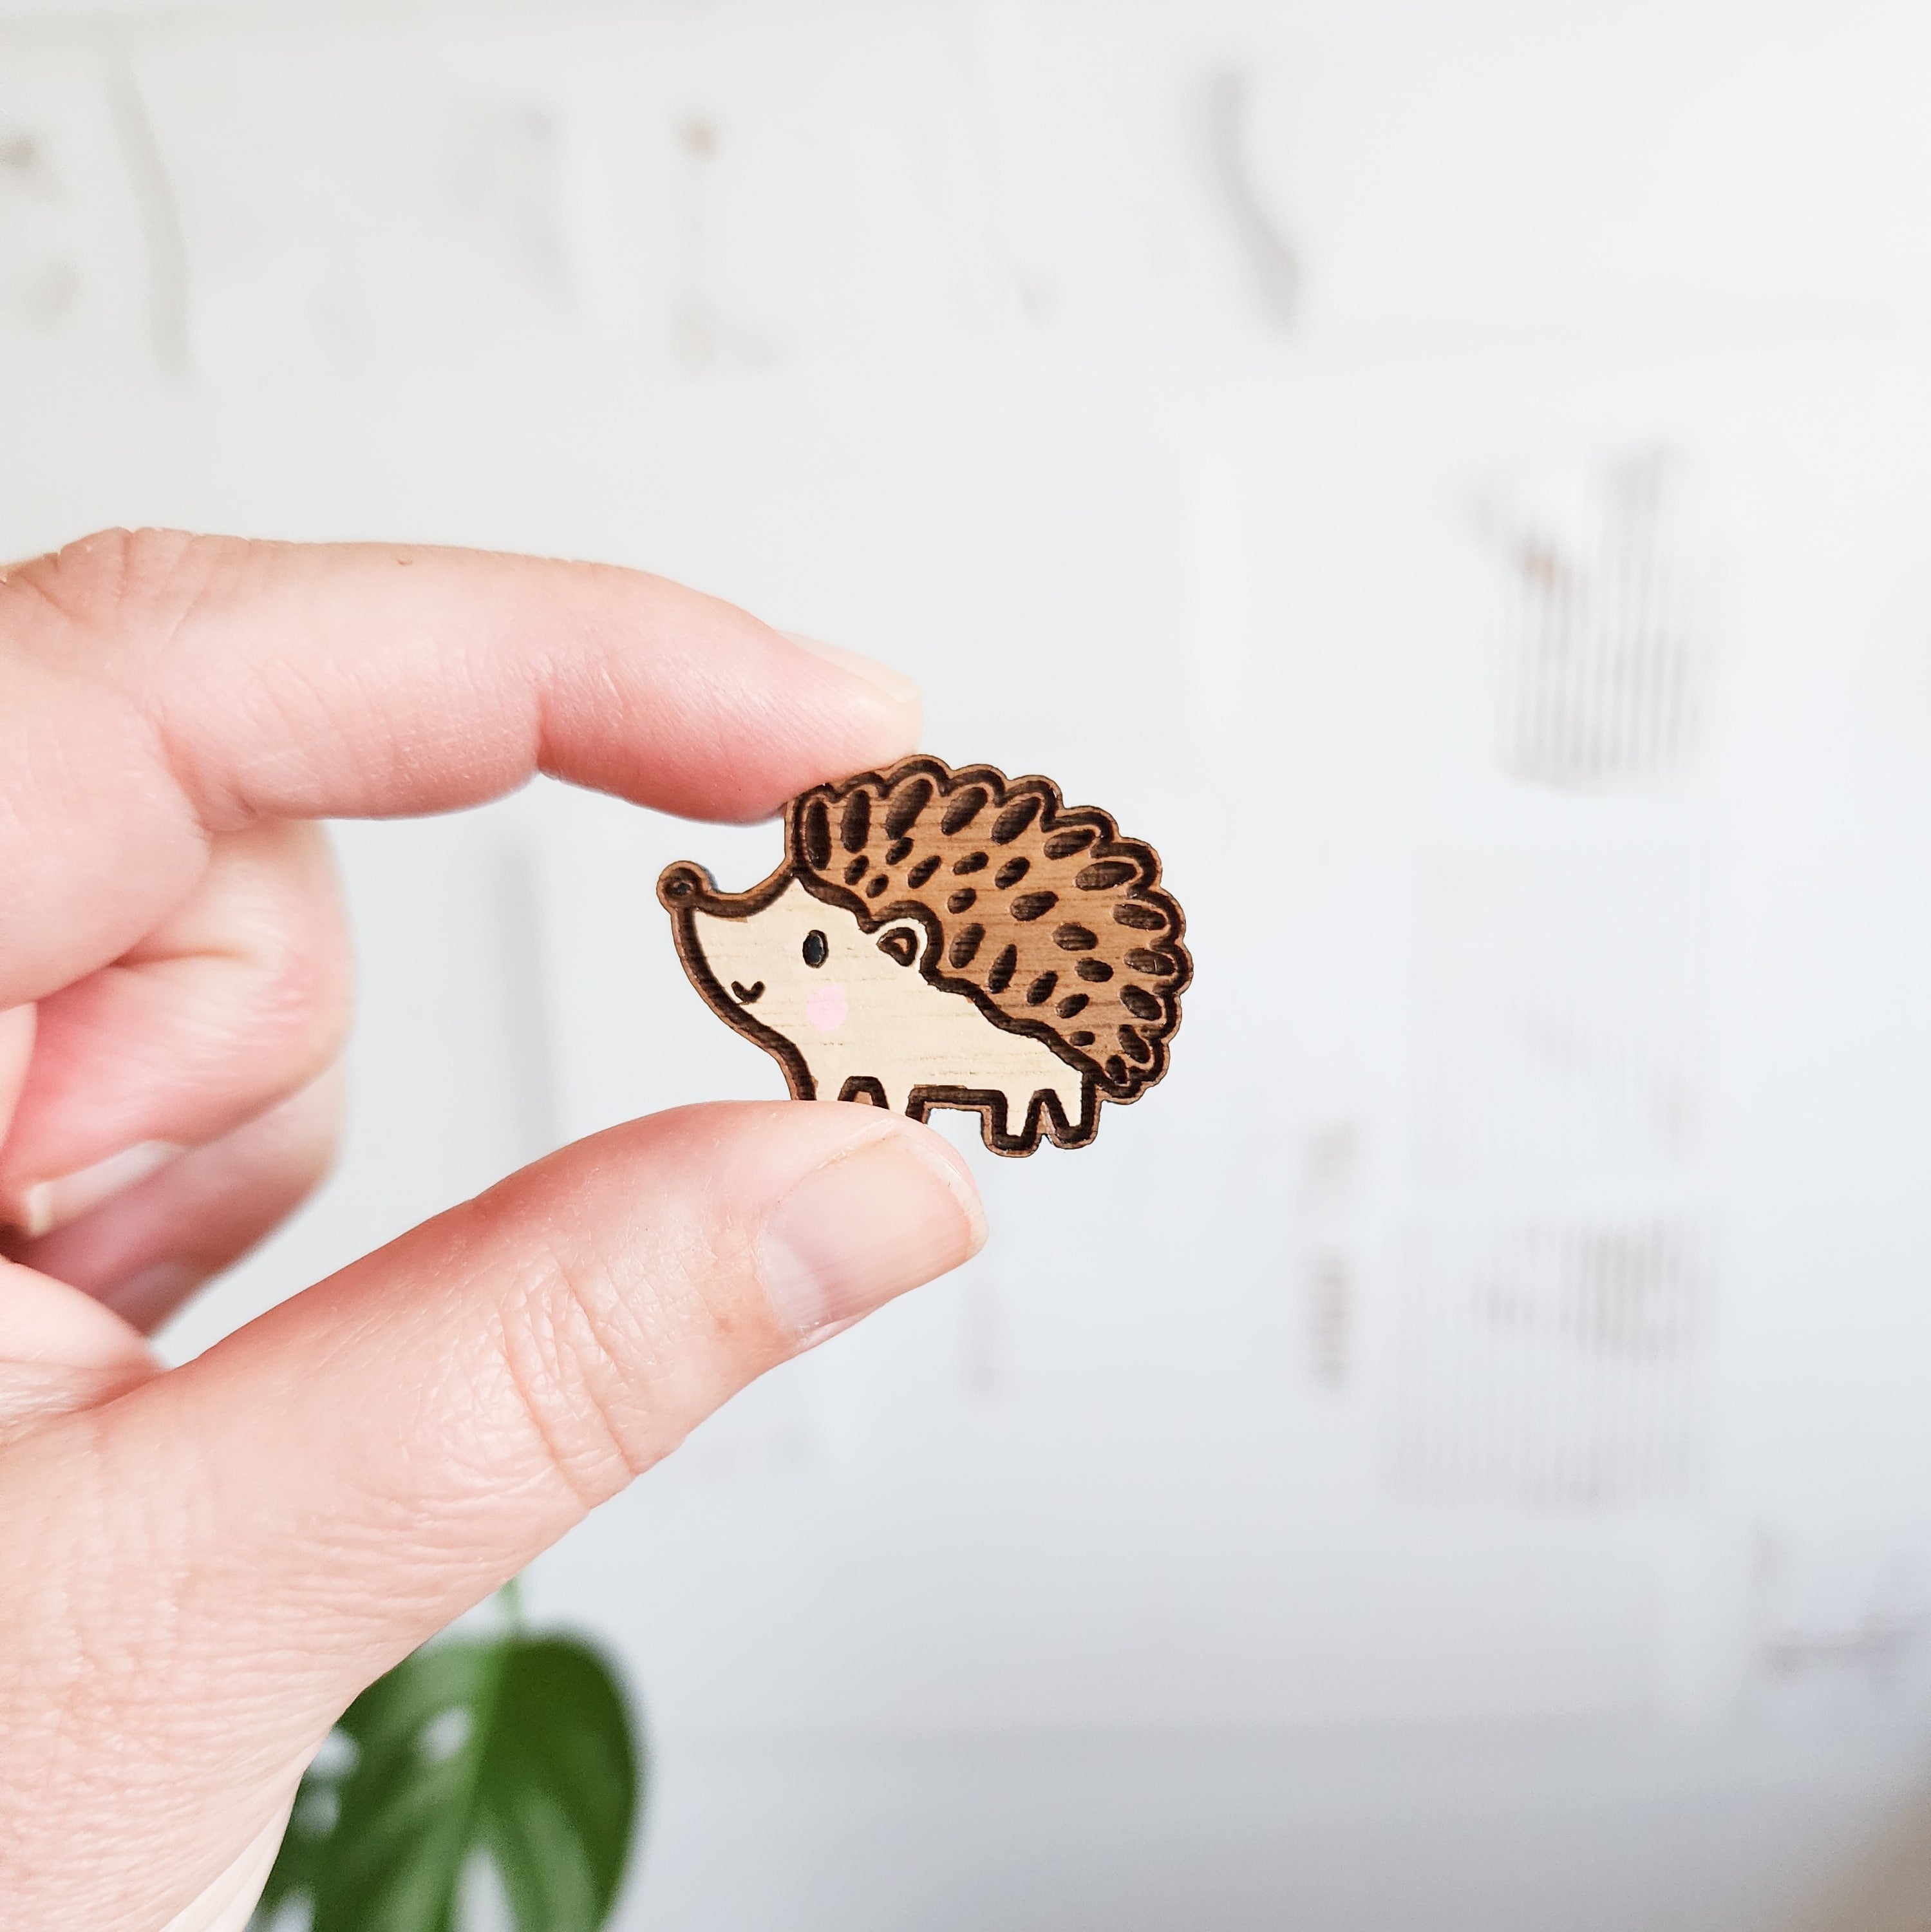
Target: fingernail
x=893 y=1213
x=895 y=685
x=16 y=1049
x=42 y=1206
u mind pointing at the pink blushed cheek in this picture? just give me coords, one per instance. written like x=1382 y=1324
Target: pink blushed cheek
x=826 y=1008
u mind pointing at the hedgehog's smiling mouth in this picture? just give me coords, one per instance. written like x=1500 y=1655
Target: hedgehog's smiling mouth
x=747 y=995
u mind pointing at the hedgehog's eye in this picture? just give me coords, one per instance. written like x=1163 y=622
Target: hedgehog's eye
x=817 y=948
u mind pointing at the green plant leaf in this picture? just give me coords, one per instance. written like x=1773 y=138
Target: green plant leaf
x=514 y=1748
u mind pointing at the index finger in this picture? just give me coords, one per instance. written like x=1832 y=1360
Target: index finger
x=156 y=688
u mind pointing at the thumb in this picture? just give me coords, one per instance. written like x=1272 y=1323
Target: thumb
x=224 y=1555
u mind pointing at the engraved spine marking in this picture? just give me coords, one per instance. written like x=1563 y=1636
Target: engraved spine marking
x=965 y=807
x=855 y=828
x=965 y=947
x=905 y=807
x=817 y=836
x=1014 y=819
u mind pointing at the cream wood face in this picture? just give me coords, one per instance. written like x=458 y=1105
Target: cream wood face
x=860 y=1014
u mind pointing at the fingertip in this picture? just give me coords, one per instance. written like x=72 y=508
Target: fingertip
x=892 y=705
x=892 y=1206
x=46 y=1323
x=900 y=691
x=950 y=1165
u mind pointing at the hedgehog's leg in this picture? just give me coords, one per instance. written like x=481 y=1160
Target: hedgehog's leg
x=876 y=1090
x=997 y=1117
x=1079 y=1099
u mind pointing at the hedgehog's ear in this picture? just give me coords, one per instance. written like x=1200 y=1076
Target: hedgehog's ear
x=901 y=942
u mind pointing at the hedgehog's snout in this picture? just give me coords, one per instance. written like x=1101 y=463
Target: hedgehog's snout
x=680 y=884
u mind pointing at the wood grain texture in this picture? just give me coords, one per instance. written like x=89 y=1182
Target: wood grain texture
x=942 y=938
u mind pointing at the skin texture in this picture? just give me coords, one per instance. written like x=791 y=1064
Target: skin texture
x=199 y=1568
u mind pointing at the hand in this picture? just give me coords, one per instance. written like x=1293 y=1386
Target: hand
x=199 y=1568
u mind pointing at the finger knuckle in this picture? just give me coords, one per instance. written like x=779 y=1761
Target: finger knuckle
x=301 y=1003
x=117 y=583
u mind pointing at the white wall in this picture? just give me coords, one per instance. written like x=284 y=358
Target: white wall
x=1454 y=478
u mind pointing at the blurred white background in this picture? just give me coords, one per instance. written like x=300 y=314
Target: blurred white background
x=1456 y=477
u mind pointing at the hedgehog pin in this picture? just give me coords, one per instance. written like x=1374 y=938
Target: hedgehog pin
x=942 y=938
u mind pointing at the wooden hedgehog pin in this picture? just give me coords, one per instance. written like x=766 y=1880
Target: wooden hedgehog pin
x=942 y=938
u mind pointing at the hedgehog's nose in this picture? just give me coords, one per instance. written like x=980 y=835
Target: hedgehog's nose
x=747 y=995
x=681 y=884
